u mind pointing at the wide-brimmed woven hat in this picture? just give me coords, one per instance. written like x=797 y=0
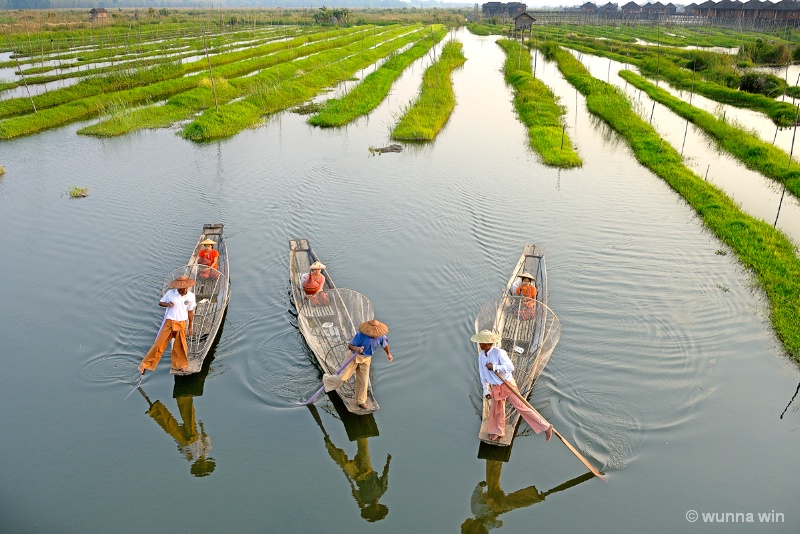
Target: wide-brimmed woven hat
x=486 y=336
x=373 y=328
x=317 y=265
x=208 y=242
x=527 y=275
x=182 y=282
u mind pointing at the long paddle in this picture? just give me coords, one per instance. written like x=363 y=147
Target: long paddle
x=572 y=449
x=139 y=383
x=321 y=389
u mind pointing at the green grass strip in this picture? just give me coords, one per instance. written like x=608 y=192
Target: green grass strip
x=201 y=96
x=762 y=249
x=756 y=154
x=781 y=113
x=428 y=115
x=538 y=109
x=129 y=79
x=289 y=84
x=373 y=89
x=668 y=63
x=84 y=108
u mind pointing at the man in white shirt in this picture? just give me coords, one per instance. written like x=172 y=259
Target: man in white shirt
x=493 y=360
x=180 y=304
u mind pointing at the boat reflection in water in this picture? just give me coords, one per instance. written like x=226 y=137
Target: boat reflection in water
x=489 y=501
x=366 y=485
x=193 y=445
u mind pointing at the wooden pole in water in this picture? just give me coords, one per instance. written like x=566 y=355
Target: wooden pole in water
x=791 y=151
x=24 y=81
x=572 y=449
x=210 y=73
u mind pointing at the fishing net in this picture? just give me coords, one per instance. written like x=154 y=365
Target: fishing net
x=212 y=291
x=328 y=328
x=530 y=331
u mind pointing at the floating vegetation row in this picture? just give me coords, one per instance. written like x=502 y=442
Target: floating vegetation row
x=373 y=89
x=129 y=79
x=83 y=108
x=756 y=154
x=423 y=120
x=538 y=109
x=287 y=85
x=762 y=249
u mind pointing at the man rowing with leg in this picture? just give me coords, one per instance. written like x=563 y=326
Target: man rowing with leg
x=180 y=304
x=493 y=360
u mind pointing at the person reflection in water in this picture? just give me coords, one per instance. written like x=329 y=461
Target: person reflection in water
x=193 y=446
x=488 y=501
x=366 y=485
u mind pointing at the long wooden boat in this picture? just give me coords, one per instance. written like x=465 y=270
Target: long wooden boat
x=528 y=338
x=329 y=328
x=212 y=291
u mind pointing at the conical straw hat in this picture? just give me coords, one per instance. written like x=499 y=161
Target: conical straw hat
x=208 y=242
x=486 y=336
x=316 y=265
x=182 y=282
x=527 y=275
x=373 y=328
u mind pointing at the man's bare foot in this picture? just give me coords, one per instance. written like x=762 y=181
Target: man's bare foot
x=495 y=437
x=549 y=432
x=364 y=406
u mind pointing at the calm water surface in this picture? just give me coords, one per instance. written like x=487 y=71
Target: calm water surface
x=667 y=373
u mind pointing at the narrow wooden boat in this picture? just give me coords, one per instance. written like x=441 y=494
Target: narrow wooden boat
x=329 y=328
x=212 y=291
x=529 y=334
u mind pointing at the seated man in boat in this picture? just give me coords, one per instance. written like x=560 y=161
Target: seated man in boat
x=493 y=363
x=313 y=282
x=527 y=290
x=208 y=257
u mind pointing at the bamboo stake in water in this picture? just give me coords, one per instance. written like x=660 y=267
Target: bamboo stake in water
x=210 y=73
x=22 y=74
x=791 y=151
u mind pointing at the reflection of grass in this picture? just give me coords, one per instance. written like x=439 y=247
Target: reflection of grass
x=762 y=249
x=369 y=93
x=538 y=109
x=428 y=115
x=78 y=192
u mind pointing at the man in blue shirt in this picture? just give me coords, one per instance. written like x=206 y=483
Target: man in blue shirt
x=370 y=336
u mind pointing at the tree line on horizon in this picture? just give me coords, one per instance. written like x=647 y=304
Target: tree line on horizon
x=208 y=4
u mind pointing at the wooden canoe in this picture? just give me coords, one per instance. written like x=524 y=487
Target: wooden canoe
x=329 y=328
x=528 y=340
x=212 y=292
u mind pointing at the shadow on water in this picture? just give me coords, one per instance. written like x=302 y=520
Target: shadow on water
x=489 y=501
x=366 y=486
x=193 y=445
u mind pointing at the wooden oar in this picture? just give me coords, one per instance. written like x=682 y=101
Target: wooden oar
x=572 y=449
x=321 y=389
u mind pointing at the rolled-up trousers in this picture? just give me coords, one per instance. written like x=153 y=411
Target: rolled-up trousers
x=170 y=329
x=497 y=412
x=359 y=366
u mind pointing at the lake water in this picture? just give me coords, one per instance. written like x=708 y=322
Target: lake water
x=667 y=374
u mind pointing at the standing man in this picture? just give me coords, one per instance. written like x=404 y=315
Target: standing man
x=492 y=359
x=180 y=304
x=370 y=336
